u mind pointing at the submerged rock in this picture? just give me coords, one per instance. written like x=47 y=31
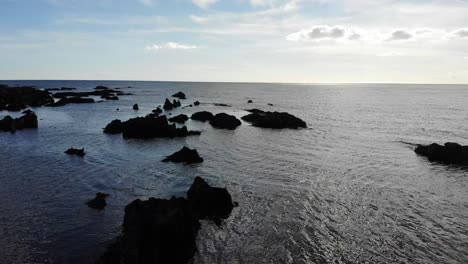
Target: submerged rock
x=225 y=121
x=164 y=231
x=449 y=153
x=76 y=152
x=98 y=202
x=179 y=118
x=9 y=124
x=179 y=95
x=185 y=155
x=202 y=116
x=114 y=127
x=135 y=107
x=110 y=97
x=277 y=120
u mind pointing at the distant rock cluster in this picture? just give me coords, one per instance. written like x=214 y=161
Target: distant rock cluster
x=449 y=153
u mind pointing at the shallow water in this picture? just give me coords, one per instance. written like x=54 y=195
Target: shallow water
x=346 y=190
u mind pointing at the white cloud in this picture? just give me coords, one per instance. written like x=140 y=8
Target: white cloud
x=170 y=46
x=204 y=3
x=461 y=33
x=318 y=33
x=400 y=35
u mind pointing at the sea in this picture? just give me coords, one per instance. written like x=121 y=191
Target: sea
x=347 y=189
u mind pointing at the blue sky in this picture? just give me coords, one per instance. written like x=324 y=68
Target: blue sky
x=311 y=41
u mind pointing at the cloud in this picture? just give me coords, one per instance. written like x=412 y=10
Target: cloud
x=318 y=33
x=170 y=46
x=147 y=2
x=204 y=3
x=461 y=33
x=400 y=35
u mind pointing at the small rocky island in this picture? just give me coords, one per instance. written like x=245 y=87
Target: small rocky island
x=185 y=155
x=449 y=153
x=9 y=124
x=164 y=231
x=276 y=120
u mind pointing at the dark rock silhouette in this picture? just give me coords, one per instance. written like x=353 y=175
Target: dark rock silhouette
x=157 y=111
x=98 y=202
x=176 y=103
x=185 y=155
x=249 y=101
x=449 y=153
x=101 y=87
x=72 y=100
x=270 y=104
x=9 y=124
x=276 y=120
x=225 y=121
x=114 y=127
x=196 y=103
x=179 y=118
x=202 y=116
x=164 y=231
x=110 y=97
x=18 y=98
x=179 y=95
x=135 y=107
x=220 y=104
x=76 y=152
x=168 y=105
x=153 y=127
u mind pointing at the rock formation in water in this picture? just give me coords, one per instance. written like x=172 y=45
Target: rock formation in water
x=19 y=98
x=196 y=103
x=76 y=152
x=179 y=118
x=9 y=124
x=449 y=153
x=164 y=231
x=168 y=105
x=135 y=107
x=225 y=121
x=72 y=100
x=185 y=155
x=110 y=97
x=179 y=95
x=98 y=202
x=202 y=116
x=114 y=127
x=249 y=101
x=277 y=120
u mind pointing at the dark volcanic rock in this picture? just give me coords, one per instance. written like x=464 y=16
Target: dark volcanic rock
x=157 y=111
x=249 y=101
x=18 y=98
x=150 y=127
x=114 y=127
x=168 y=105
x=179 y=95
x=135 y=107
x=185 y=155
x=225 y=121
x=76 y=152
x=277 y=120
x=72 y=100
x=98 y=202
x=164 y=231
x=202 y=116
x=176 y=103
x=110 y=97
x=100 y=87
x=449 y=153
x=220 y=104
x=196 y=103
x=8 y=124
x=179 y=118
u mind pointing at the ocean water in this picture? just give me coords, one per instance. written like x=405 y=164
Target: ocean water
x=349 y=189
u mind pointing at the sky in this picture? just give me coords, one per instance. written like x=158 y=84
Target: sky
x=289 y=41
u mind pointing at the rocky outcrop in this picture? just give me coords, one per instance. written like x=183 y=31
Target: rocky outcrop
x=179 y=119
x=249 y=101
x=9 y=124
x=111 y=97
x=98 y=202
x=168 y=105
x=185 y=155
x=148 y=127
x=164 y=231
x=196 y=103
x=449 y=153
x=225 y=121
x=76 y=152
x=202 y=116
x=114 y=127
x=276 y=120
x=135 y=107
x=19 y=98
x=157 y=111
x=72 y=100
x=179 y=95
x=101 y=87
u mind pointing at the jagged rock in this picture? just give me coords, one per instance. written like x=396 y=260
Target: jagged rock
x=168 y=105
x=18 y=98
x=150 y=127
x=275 y=120
x=114 y=127
x=225 y=121
x=185 y=155
x=179 y=119
x=179 y=95
x=98 y=202
x=135 y=107
x=157 y=111
x=202 y=116
x=449 y=153
x=101 y=87
x=72 y=100
x=196 y=103
x=164 y=231
x=249 y=101
x=27 y=111
x=76 y=152
x=8 y=124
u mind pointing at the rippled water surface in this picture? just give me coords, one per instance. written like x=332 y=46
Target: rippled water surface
x=349 y=189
